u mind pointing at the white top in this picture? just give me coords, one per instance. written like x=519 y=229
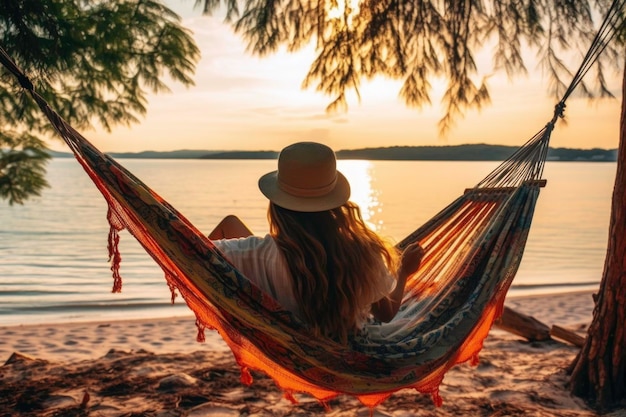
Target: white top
x=260 y=261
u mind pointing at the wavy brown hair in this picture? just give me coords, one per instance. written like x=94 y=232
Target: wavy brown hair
x=335 y=261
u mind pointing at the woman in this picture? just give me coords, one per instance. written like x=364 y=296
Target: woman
x=319 y=260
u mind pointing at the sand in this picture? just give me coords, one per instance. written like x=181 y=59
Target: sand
x=156 y=368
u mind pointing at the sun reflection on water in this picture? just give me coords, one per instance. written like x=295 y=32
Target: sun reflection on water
x=361 y=176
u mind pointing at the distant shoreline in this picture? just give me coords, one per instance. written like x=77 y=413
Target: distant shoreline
x=473 y=152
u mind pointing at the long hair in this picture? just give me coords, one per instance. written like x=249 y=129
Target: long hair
x=336 y=262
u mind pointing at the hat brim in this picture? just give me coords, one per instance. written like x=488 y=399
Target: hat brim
x=268 y=184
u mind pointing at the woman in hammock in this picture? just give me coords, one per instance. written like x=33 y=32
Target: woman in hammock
x=319 y=260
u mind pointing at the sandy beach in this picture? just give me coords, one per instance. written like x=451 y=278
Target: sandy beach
x=156 y=368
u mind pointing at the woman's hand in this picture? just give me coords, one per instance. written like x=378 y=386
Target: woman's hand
x=411 y=259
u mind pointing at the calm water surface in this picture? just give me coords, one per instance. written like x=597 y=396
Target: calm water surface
x=53 y=255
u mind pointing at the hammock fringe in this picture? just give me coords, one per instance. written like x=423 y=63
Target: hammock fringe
x=115 y=258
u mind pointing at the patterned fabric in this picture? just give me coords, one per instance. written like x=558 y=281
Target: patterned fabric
x=473 y=248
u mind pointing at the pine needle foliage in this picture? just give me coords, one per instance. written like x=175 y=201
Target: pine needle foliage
x=22 y=167
x=416 y=41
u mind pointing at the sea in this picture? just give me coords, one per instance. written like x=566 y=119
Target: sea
x=53 y=250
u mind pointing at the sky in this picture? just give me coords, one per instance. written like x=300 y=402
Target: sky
x=243 y=102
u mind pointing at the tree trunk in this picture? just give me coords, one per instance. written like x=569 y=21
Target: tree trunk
x=599 y=370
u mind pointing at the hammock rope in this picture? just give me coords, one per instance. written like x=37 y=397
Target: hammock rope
x=514 y=171
x=473 y=248
x=609 y=28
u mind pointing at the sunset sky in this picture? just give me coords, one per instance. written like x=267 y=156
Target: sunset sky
x=242 y=102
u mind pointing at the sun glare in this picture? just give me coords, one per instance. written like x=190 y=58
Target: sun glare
x=340 y=9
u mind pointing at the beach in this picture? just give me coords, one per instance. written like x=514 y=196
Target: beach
x=157 y=368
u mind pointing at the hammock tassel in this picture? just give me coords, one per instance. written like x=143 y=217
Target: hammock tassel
x=246 y=376
x=437 y=400
x=200 y=338
x=474 y=360
x=288 y=395
x=170 y=283
x=114 y=253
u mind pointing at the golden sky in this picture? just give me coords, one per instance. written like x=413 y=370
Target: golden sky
x=242 y=102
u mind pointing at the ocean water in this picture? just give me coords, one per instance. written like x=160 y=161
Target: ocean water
x=53 y=250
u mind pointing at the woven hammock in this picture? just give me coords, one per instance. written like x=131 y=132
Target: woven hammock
x=473 y=248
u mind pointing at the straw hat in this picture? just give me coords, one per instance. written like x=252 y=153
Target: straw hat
x=307 y=179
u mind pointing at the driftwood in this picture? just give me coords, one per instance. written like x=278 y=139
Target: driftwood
x=533 y=330
x=522 y=325
x=567 y=335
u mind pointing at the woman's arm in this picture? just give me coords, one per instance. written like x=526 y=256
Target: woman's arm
x=230 y=227
x=386 y=308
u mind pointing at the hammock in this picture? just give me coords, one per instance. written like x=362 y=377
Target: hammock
x=473 y=248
